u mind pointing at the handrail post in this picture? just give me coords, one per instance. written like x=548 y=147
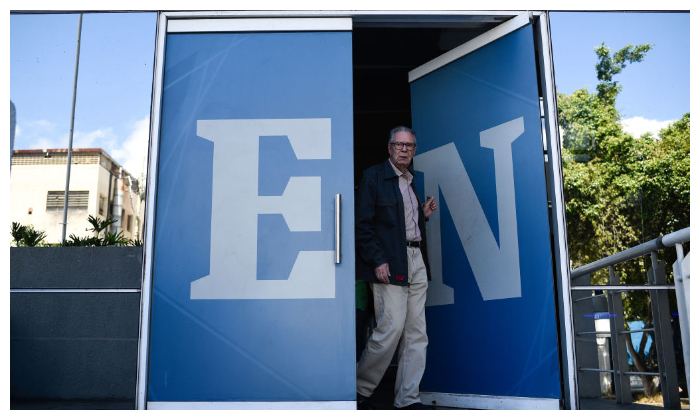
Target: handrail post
x=663 y=338
x=681 y=279
x=588 y=382
x=623 y=391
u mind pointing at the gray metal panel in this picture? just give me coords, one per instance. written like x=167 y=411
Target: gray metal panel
x=76 y=267
x=74 y=315
x=73 y=346
x=49 y=369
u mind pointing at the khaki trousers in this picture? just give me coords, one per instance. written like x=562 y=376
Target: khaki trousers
x=400 y=314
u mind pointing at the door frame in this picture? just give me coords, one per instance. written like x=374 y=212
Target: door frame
x=186 y=21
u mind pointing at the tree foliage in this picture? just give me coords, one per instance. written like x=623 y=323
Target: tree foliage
x=608 y=67
x=621 y=191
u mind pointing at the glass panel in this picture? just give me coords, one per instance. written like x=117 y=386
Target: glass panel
x=110 y=133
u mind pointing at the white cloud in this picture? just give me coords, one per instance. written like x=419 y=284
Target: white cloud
x=640 y=125
x=103 y=138
x=132 y=152
x=42 y=124
x=128 y=152
x=36 y=134
x=43 y=143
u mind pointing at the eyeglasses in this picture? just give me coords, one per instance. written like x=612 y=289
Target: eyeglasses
x=399 y=145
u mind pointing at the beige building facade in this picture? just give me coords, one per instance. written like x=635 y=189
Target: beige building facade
x=98 y=187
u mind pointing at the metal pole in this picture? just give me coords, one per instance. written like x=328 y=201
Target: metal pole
x=663 y=337
x=623 y=393
x=70 y=133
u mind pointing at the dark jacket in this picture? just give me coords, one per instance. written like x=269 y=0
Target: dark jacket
x=380 y=227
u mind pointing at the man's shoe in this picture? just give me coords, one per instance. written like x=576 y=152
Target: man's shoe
x=364 y=403
x=414 y=406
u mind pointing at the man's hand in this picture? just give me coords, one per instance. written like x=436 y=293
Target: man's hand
x=382 y=273
x=429 y=206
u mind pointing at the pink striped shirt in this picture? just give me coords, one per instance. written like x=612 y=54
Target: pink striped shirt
x=410 y=204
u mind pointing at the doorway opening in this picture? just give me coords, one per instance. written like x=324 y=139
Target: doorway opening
x=382 y=58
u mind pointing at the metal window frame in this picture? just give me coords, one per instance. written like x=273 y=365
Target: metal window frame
x=259 y=24
x=555 y=184
x=186 y=21
x=149 y=213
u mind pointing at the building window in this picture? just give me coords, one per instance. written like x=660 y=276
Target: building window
x=76 y=200
x=102 y=205
x=128 y=223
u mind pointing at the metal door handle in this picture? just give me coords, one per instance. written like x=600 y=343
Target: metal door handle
x=337 y=228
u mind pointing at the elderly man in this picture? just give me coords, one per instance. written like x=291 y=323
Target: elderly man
x=392 y=256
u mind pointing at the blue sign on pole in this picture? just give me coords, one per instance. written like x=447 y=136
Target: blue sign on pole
x=491 y=304
x=256 y=141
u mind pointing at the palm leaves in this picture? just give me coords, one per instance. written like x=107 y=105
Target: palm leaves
x=28 y=236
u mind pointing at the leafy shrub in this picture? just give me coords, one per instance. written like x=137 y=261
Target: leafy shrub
x=26 y=235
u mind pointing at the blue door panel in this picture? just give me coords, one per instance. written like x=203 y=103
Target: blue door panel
x=253 y=343
x=491 y=323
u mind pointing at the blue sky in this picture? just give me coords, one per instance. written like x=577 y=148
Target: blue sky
x=655 y=91
x=114 y=82
x=116 y=68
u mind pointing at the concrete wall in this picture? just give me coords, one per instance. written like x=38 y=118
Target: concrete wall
x=72 y=345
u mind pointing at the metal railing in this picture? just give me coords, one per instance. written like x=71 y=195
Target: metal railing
x=658 y=289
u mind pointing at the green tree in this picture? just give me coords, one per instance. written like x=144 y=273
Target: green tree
x=608 y=67
x=621 y=191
